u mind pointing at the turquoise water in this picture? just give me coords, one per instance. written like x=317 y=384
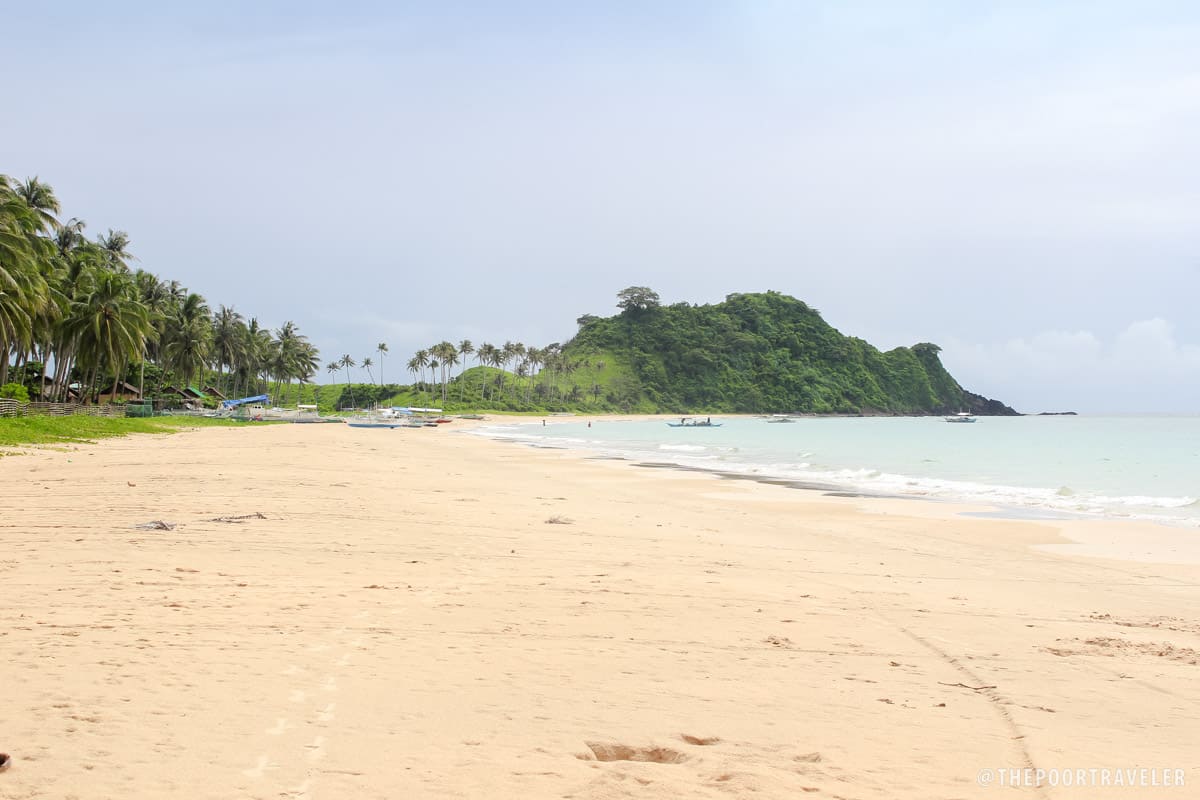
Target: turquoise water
x=1130 y=467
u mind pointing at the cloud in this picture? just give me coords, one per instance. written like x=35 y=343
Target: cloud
x=1144 y=367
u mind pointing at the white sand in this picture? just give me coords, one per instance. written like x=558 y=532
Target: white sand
x=406 y=622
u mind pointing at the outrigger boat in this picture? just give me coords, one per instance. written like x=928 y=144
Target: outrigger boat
x=689 y=422
x=385 y=418
x=375 y=423
x=961 y=416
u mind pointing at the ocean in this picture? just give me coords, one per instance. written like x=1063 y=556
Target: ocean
x=1128 y=467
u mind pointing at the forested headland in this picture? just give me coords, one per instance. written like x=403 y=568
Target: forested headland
x=752 y=353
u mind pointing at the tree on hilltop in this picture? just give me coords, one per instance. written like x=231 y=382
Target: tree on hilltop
x=637 y=298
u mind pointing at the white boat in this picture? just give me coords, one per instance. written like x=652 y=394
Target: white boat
x=375 y=422
x=383 y=418
x=961 y=416
x=302 y=414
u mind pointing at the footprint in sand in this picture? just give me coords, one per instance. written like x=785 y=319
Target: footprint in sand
x=316 y=750
x=298 y=793
x=298 y=696
x=606 y=751
x=330 y=684
x=281 y=725
x=344 y=660
x=259 y=769
x=326 y=714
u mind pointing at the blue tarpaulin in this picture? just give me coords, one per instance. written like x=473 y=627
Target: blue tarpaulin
x=258 y=398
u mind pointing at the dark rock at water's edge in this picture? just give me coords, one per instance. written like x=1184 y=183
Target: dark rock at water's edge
x=982 y=406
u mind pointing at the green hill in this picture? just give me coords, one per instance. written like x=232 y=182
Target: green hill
x=753 y=353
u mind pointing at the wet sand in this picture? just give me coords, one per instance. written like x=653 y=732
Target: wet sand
x=332 y=613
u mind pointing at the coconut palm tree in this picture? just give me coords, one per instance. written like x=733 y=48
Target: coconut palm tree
x=466 y=348
x=187 y=350
x=41 y=200
x=24 y=262
x=286 y=350
x=254 y=356
x=226 y=339
x=447 y=357
x=510 y=353
x=415 y=367
x=382 y=349
x=421 y=359
x=346 y=362
x=78 y=262
x=484 y=356
x=366 y=364
x=111 y=325
x=433 y=369
x=188 y=338
x=115 y=245
x=307 y=362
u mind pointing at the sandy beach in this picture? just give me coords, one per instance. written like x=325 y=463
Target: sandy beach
x=341 y=613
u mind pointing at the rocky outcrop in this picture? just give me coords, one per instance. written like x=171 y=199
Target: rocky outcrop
x=986 y=407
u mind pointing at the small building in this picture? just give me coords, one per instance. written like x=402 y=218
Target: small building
x=213 y=391
x=125 y=392
x=48 y=388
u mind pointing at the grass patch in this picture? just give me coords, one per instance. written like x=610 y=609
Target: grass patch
x=15 y=431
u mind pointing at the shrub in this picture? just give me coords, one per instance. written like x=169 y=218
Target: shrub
x=14 y=391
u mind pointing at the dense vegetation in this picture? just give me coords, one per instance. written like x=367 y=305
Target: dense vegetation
x=760 y=353
x=75 y=303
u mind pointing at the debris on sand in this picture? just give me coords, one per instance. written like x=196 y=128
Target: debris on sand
x=238 y=520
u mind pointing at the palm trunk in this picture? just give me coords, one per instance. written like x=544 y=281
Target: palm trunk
x=45 y=365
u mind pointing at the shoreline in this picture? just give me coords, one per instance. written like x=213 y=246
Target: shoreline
x=363 y=613
x=1127 y=539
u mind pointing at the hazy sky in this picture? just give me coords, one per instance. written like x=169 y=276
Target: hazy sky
x=1018 y=182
